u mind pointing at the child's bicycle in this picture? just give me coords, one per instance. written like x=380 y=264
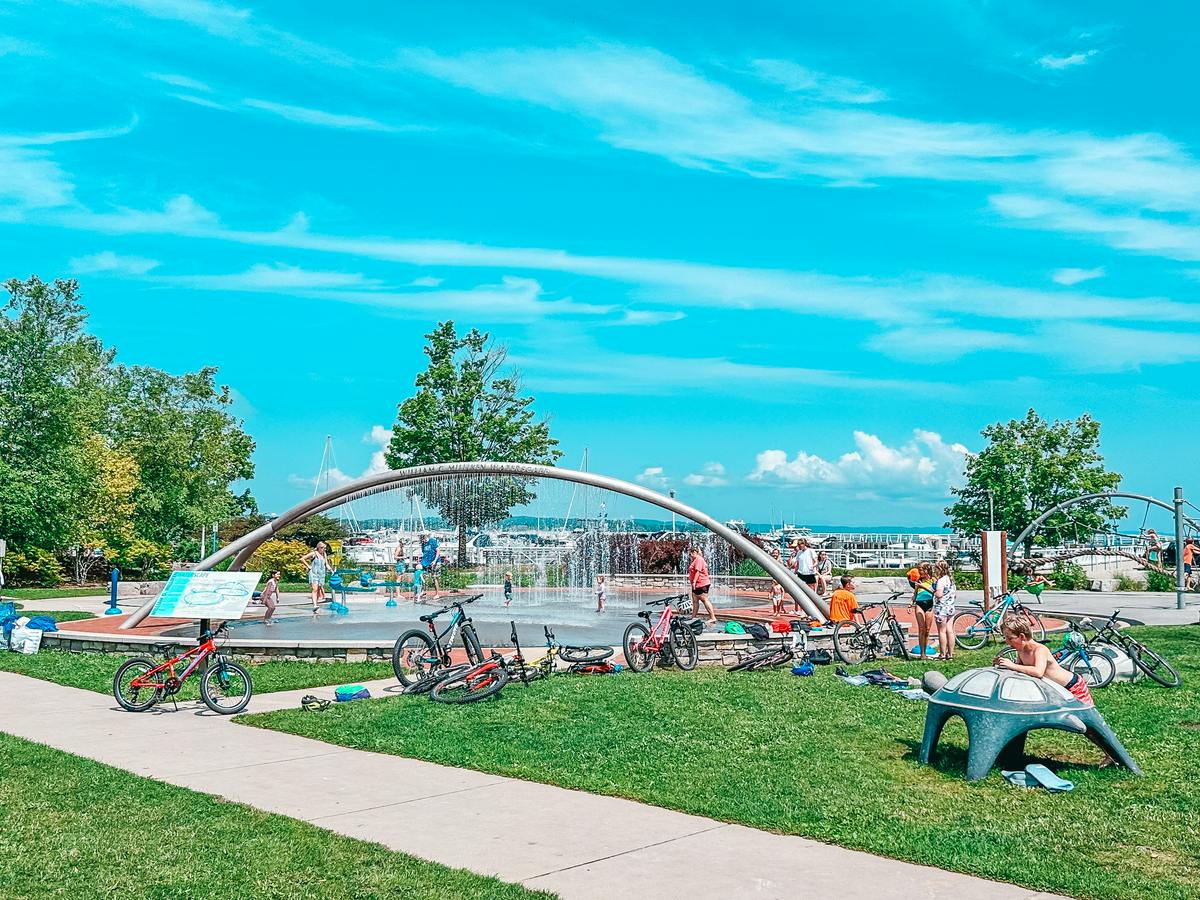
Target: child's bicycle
x=868 y=639
x=225 y=687
x=671 y=639
x=1081 y=657
x=792 y=646
x=972 y=629
x=544 y=666
x=1143 y=657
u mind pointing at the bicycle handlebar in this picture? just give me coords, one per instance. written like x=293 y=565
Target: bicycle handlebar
x=665 y=600
x=458 y=603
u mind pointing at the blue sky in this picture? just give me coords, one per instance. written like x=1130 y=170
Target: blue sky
x=786 y=261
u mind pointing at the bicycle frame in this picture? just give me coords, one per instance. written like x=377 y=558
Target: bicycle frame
x=661 y=632
x=452 y=629
x=200 y=654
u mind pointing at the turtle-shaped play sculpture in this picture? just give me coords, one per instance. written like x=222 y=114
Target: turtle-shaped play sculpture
x=1000 y=706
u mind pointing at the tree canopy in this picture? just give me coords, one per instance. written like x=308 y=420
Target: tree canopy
x=466 y=408
x=1028 y=466
x=101 y=462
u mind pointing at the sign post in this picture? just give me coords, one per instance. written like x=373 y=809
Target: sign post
x=995 y=566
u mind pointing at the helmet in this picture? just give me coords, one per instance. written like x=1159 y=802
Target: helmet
x=1075 y=640
x=313 y=704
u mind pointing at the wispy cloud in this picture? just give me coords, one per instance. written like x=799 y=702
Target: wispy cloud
x=1076 y=276
x=306 y=116
x=942 y=342
x=925 y=463
x=794 y=77
x=180 y=81
x=711 y=475
x=108 y=261
x=1071 y=60
x=1091 y=347
x=274 y=278
x=653 y=476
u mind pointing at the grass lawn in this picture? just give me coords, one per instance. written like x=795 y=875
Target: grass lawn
x=58 y=615
x=78 y=828
x=817 y=757
x=45 y=593
x=94 y=672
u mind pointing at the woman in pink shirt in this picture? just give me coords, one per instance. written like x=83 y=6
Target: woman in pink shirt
x=700 y=582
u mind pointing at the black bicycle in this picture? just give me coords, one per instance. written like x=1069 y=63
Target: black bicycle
x=868 y=639
x=417 y=655
x=792 y=647
x=1143 y=657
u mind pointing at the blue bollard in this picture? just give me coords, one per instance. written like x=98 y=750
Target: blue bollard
x=112 y=594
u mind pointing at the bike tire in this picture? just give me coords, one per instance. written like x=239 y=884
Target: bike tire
x=638 y=659
x=471 y=642
x=970 y=636
x=1097 y=669
x=136 y=699
x=1157 y=667
x=850 y=643
x=685 y=648
x=226 y=688
x=753 y=661
x=585 y=654
x=471 y=686
x=1036 y=626
x=424 y=684
x=407 y=670
x=898 y=642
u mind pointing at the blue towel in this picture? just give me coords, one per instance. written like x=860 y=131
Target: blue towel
x=42 y=623
x=1047 y=779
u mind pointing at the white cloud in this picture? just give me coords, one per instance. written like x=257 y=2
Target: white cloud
x=381 y=437
x=800 y=79
x=276 y=277
x=654 y=477
x=306 y=116
x=426 y=281
x=1102 y=348
x=925 y=464
x=199 y=101
x=711 y=475
x=942 y=343
x=107 y=261
x=1079 y=58
x=1076 y=276
x=180 y=81
x=648 y=317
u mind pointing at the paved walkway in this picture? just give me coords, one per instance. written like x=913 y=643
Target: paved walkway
x=576 y=844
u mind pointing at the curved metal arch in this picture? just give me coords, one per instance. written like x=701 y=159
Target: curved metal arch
x=244 y=547
x=1019 y=540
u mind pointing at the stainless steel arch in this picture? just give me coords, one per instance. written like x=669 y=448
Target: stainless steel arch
x=244 y=547
x=1019 y=540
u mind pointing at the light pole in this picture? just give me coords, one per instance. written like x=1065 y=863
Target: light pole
x=1180 y=575
x=672 y=496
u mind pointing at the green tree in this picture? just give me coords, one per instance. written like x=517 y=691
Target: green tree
x=284 y=556
x=52 y=379
x=1030 y=465
x=188 y=445
x=105 y=524
x=313 y=529
x=465 y=409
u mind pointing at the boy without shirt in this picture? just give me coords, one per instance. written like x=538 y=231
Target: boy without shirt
x=1036 y=659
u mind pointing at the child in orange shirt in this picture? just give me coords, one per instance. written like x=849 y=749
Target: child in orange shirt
x=843 y=603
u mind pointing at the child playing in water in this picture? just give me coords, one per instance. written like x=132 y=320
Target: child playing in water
x=776 y=598
x=418 y=580
x=507 y=588
x=601 y=593
x=1036 y=659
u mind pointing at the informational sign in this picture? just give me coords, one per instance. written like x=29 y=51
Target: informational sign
x=206 y=595
x=995 y=565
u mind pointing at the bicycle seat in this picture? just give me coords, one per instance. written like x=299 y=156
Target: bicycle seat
x=644 y=614
x=429 y=617
x=162 y=649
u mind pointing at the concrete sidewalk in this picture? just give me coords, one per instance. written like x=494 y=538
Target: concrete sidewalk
x=576 y=844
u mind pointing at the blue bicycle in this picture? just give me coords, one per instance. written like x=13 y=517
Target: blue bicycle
x=974 y=629
x=1080 y=657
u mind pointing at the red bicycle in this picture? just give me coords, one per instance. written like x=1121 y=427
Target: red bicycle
x=670 y=640
x=225 y=687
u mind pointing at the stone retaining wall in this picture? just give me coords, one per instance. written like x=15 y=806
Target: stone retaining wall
x=253 y=651
x=759 y=584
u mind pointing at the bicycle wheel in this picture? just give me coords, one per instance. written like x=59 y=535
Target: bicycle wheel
x=1036 y=626
x=753 y=661
x=477 y=683
x=425 y=683
x=636 y=656
x=585 y=654
x=471 y=642
x=971 y=631
x=685 y=649
x=414 y=656
x=850 y=643
x=1096 y=668
x=899 y=645
x=226 y=687
x=136 y=699
x=1154 y=665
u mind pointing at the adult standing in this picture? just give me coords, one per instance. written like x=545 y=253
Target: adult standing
x=805 y=563
x=698 y=578
x=1153 y=548
x=399 y=566
x=430 y=561
x=317 y=563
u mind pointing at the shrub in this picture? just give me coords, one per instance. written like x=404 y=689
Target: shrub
x=144 y=559
x=282 y=555
x=1069 y=576
x=1128 y=583
x=748 y=568
x=1160 y=581
x=33 y=568
x=968 y=581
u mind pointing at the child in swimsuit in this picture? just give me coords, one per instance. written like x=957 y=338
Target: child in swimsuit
x=1036 y=659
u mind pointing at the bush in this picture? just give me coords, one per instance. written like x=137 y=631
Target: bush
x=144 y=559
x=1160 y=581
x=282 y=555
x=33 y=568
x=968 y=581
x=1128 y=583
x=1069 y=576
x=453 y=579
x=748 y=568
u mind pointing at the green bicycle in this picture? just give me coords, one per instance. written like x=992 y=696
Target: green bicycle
x=974 y=629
